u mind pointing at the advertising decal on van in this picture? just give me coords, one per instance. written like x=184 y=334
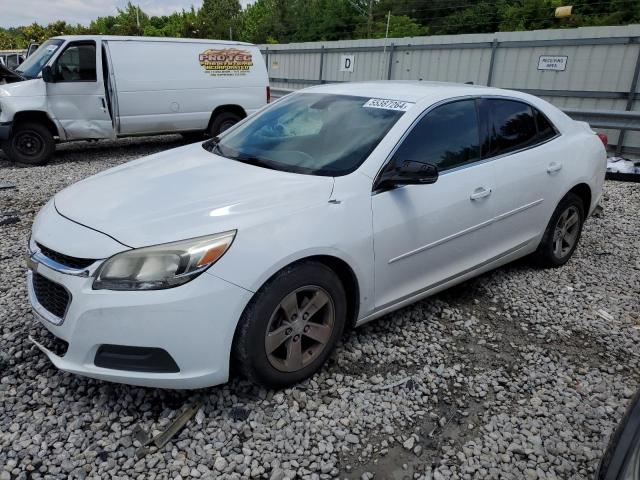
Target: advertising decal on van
x=226 y=61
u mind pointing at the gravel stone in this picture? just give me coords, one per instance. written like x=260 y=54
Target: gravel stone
x=520 y=373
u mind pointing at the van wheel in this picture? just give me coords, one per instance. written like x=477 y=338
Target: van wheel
x=291 y=326
x=223 y=122
x=30 y=144
x=562 y=234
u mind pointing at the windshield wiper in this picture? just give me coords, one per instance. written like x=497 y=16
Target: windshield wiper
x=258 y=162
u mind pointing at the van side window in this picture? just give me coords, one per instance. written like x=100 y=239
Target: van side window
x=77 y=63
x=446 y=137
x=511 y=125
x=545 y=129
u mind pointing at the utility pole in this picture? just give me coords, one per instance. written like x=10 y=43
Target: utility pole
x=138 y=18
x=384 y=48
x=370 y=19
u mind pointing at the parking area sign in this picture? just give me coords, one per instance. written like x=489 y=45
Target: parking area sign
x=553 y=62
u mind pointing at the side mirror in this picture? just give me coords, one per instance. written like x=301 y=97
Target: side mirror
x=47 y=74
x=621 y=459
x=409 y=172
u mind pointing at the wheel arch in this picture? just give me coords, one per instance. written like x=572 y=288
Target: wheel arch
x=340 y=267
x=583 y=191
x=37 y=116
x=232 y=108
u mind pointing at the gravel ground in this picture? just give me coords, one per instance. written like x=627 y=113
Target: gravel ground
x=518 y=374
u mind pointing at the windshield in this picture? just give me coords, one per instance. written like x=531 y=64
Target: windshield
x=33 y=65
x=312 y=133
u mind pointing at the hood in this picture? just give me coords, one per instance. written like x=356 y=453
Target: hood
x=184 y=193
x=24 y=88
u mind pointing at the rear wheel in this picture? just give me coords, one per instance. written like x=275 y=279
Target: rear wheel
x=29 y=144
x=562 y=234
x=222 y=122
x=291 y=326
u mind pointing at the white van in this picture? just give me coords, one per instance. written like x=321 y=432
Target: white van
x=95 y=87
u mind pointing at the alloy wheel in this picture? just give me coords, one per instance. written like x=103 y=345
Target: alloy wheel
x=300 y=328
x=565 y=234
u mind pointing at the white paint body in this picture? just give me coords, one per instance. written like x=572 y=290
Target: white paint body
x=401 y=244
x=150 y=86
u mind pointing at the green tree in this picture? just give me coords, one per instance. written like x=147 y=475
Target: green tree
x=528 y=15
x=267 y=20
x=219 y=19
x=399 y=26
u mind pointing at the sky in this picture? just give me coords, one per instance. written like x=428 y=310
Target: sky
x=14 y=13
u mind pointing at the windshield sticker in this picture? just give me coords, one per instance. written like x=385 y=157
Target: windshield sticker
x=52 y=48
x=388 y=104
x=226 y=62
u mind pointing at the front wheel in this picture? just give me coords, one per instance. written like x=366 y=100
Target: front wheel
x=29 y=144
x=291 y=326
x=562 y=234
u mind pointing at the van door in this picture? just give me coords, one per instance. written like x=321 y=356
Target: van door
x=77 y=95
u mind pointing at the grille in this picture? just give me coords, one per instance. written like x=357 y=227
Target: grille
x=66 y=260
x=51 y=295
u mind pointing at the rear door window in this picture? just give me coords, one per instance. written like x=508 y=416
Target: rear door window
x=446 y=137
x=511 y=125
x=545 y=129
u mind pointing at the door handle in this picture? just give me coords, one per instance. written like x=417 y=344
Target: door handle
x=554 y=167
x=479 y=193
x=104 y=104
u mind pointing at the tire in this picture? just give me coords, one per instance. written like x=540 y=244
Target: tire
x=264 y=313
x=29 y=144
x=555 y=249
x=222 y=122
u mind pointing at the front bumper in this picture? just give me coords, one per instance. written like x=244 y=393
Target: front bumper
x=193 y=323
x=5 y=130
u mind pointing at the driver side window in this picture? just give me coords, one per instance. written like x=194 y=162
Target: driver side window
x=77 y=63
x=446 y=137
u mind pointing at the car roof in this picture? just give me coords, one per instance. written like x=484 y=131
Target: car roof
x=148 y=39
x=412 y=91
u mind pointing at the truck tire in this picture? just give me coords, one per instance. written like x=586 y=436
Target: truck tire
x=29 y=144
x=222 y=122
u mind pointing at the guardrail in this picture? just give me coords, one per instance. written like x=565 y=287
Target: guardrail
x=611 y=119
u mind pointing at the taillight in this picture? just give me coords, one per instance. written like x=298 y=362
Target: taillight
x=604 y=139
x=268 y=94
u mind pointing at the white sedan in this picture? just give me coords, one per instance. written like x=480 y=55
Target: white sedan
x=327 y=209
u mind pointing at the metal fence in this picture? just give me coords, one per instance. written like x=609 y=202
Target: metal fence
x=589 y=70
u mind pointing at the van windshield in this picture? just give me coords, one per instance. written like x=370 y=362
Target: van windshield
x=32 y=66
x=310 y=133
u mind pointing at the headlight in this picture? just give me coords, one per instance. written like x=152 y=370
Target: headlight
x=162 y=266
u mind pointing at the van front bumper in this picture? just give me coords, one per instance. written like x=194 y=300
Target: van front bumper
x=5 y=130
x=174 y=338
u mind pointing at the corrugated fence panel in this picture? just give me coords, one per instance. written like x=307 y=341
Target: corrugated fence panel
x=600 y=64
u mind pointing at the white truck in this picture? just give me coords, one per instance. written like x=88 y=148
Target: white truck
x=105 y=87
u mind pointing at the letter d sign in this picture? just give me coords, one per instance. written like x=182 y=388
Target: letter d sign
x=346 y=63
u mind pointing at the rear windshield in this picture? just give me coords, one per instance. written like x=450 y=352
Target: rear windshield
x=311 y=133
